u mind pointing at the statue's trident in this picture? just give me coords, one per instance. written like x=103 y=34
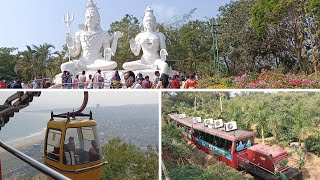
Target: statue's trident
x=68 y=20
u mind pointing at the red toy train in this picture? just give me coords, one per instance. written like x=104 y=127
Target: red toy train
x=235 y=147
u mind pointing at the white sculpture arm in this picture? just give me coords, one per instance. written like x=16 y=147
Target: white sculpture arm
x=163 y=55
x=163 y=49
x=135 y=46
x=116 y=36
x=162 y=41
x=74 y=47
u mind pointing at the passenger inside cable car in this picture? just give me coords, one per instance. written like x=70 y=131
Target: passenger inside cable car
x=94 y=151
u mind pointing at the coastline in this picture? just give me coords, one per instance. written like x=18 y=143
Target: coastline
x=25 y=142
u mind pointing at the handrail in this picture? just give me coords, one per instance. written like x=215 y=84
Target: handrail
x=106 y=85
x=39 y=166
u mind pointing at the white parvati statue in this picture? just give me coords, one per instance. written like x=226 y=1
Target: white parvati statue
x=88 y=41
x=152 y=43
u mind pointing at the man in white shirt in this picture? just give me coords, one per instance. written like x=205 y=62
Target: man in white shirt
x=156 y=79
x=82 y=80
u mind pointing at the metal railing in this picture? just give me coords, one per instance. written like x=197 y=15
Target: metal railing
x=105 y=85
x=39 y=166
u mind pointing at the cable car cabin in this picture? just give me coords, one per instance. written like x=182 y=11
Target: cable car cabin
x=72 y=146
x=227 y=146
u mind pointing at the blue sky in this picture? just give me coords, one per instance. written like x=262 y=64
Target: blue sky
x=39 y=21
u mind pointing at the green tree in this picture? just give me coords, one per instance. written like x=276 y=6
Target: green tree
x=126 y=161
x=34 y=62
x=7 y=63
x=301 y=123
x=294 y=25
x=130 y=26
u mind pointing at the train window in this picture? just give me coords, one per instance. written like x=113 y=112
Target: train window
x=53 y=144
x=82 y=146
x=206 y=137
x=221 y=143
x=228 y=145
x=196 y=133
x=211 y=137
x=215 y=141
x=202 y=134
x=244 y=143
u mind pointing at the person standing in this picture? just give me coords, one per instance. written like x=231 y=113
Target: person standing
x=82 y=80
x=24 y=84
x=95 y=79
x=156 y=79
x=175 y=84
x=163 y=81
x=115 y=81
x=146 y=84
x=89 y=82
x=3 y=84
x=75 y=84
x=191 y=82
x=69 y=80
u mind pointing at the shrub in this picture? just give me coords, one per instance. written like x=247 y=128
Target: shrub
x=312 y=144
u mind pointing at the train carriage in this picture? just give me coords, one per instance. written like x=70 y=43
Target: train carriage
x=234 y=147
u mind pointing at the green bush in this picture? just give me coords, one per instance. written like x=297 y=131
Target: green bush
x=312 y=144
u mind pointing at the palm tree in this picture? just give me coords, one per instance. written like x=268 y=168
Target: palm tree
x=260 y=116
x=301 y=122
x=43 y=57
x=35 y=62
x=26 y=63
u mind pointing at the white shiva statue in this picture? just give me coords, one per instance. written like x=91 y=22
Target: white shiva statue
x=88 y=41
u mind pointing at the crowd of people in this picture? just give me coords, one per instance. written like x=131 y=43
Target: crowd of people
x=160 y=81
x=17 y=83
x=81 y=81
x=97 y=81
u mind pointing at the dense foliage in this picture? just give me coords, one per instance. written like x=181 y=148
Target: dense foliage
x=313 y=144
x=127 y=161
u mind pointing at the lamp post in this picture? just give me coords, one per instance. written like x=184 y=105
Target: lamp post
x=214 y=33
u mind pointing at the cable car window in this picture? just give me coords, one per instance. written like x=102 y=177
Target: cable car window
x=72 y=147
x=81 y=146
x=53 y=144
x=91 y=143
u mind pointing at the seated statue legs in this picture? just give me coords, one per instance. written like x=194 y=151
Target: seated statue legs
x=136 y=65
x=103 y=65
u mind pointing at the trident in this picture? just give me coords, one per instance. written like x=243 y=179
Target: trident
x=68 y=20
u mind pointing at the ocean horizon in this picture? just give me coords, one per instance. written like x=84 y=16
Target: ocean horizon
x=112 y=121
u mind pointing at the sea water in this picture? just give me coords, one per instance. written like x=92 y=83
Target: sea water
x=138 y=124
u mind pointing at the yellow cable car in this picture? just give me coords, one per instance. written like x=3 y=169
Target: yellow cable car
x=72 y=146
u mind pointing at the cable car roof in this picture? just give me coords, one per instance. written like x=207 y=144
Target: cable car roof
x=231 y=135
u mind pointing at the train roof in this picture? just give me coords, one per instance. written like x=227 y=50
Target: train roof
x=231 y=135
